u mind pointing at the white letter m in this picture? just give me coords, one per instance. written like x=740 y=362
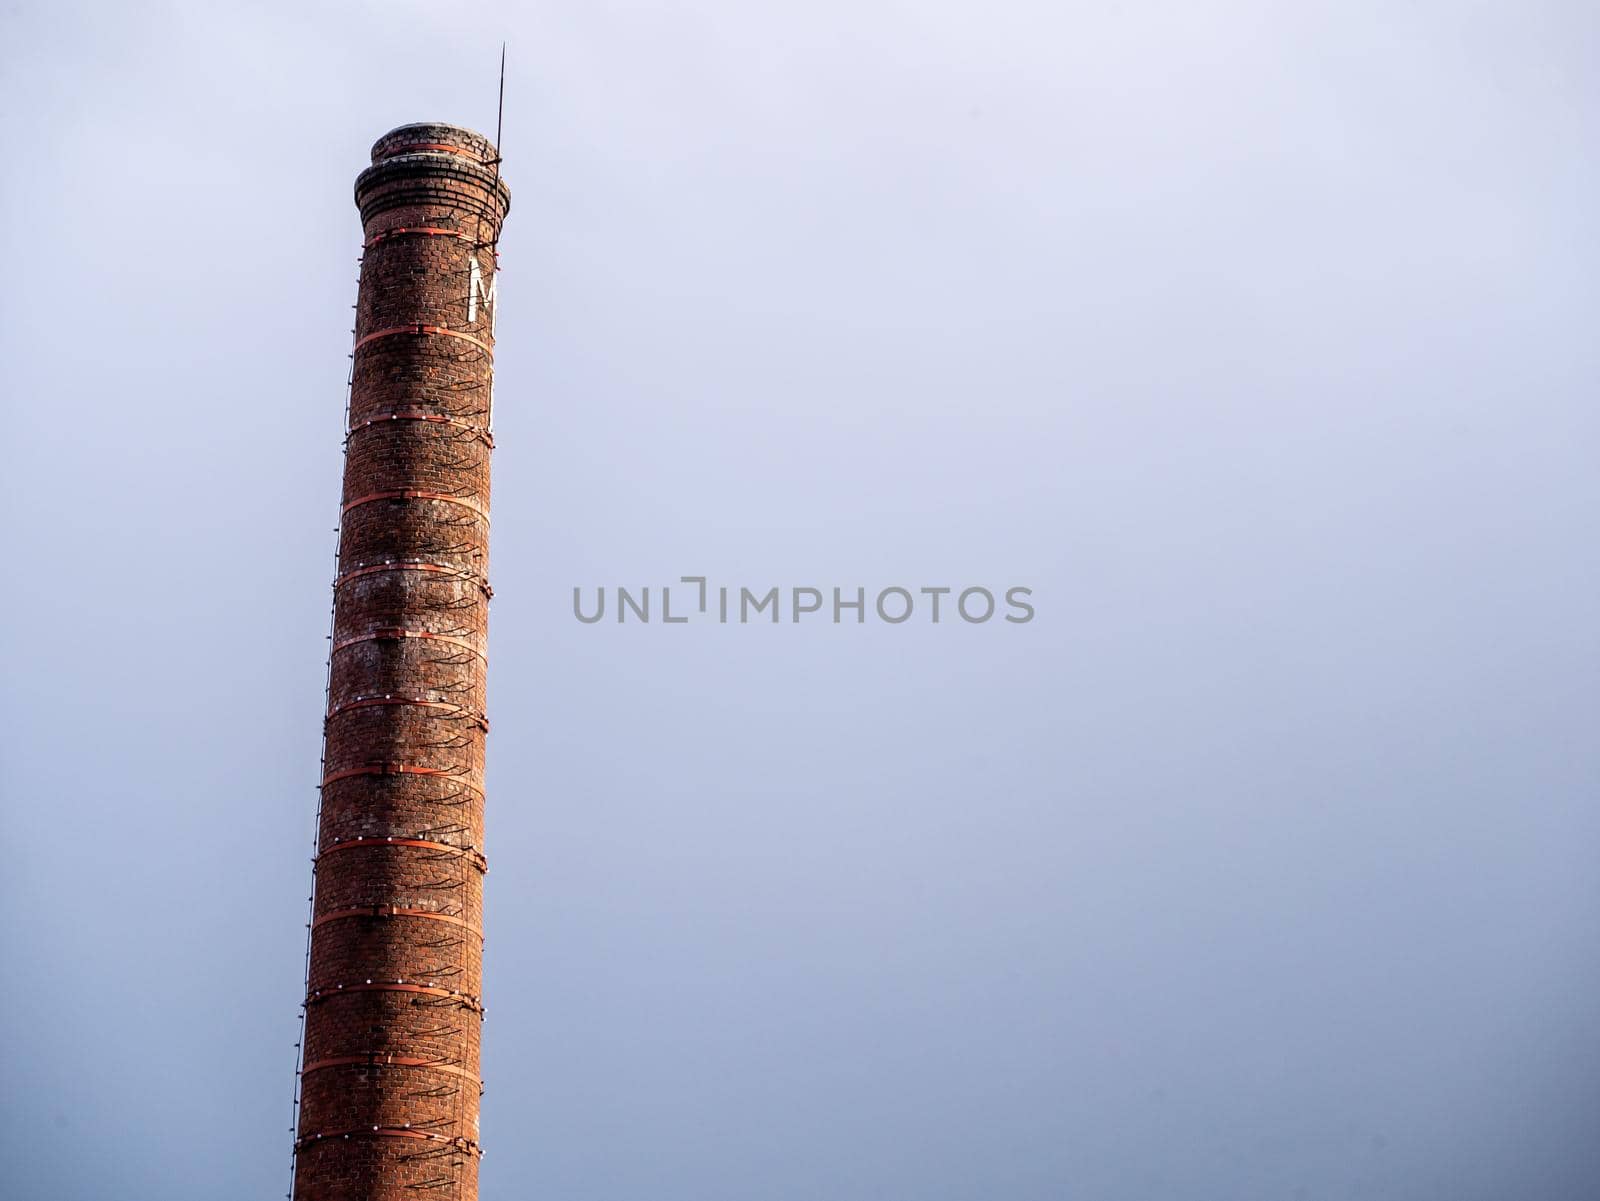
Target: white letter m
x=476 y=292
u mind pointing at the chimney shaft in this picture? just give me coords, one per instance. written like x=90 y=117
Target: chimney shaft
x=389 y=1080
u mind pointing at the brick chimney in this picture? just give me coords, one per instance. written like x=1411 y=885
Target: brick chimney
x=389 y=1076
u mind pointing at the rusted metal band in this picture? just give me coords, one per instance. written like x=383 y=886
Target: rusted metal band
x=462 y=852
x=363 y=702
x=417 y=494
x=400 y=769
x=418 y=415
x=420 y=328
x=387 y=911
x=437 y=568
x=466 y=999
x=429 y=147
x=394 y=634
x=433 y=231
x=383 y=1060
x=465 y=1145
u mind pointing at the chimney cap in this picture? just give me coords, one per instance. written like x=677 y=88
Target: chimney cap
x=435 y=137
x=432 y=162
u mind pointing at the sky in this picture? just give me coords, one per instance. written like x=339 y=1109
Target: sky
x=1255 y=339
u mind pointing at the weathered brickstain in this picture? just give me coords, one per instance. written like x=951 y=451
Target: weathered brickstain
x=390 y=1077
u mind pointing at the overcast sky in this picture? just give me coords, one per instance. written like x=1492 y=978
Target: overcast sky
x=1256 y=338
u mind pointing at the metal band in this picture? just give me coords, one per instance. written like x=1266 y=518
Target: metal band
x=426 y=230
x=399 y=769
x=482 y=432
x=387 y=911
x=364 y=702
x=462 y=852
x=419 y=328
x=438 y=568
x=393 y=634
x=416 y=494
x=427 y=147
x=464 y=1144
x=322 y=994
x=383 y=1060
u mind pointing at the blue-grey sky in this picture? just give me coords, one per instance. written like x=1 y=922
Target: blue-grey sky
x=1256 y=338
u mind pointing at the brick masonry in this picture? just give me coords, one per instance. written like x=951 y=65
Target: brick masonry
x=390 y=1076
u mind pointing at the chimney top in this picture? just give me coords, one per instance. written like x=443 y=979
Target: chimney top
x=434 y=137
x=433 y=163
